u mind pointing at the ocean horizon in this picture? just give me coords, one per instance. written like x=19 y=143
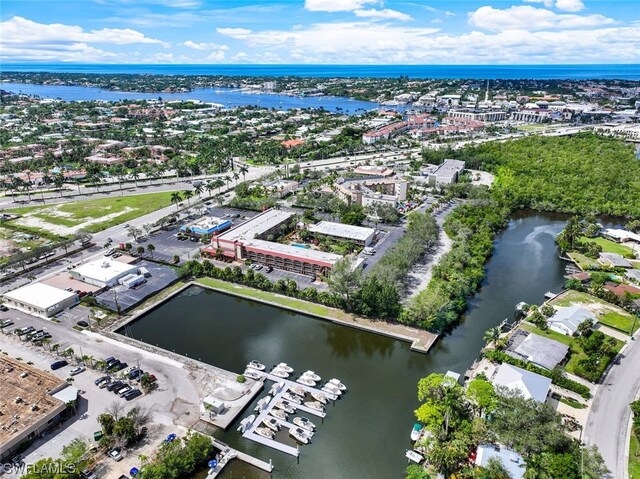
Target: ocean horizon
x=480 y=72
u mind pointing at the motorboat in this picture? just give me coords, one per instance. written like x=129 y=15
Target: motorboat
x=294 y=398
x=298 y=391
x=281 y=373
x=311 y=375
x=414 y=456
x=246 y=423
x=285 y=367
x=315 y=405
x=279 y=413
x=262 y=403
x=306 y=381
x=271 y=423
x=416 y=432
x=304 y=423
x=299 y=435
x=252 y=374
x=285 y=406
x=320 y=397
x=337 y=384
x=331 y=389
x=265 y=432
x=276 y=388
x=256 y=365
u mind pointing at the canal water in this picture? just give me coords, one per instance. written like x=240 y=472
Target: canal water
x=228 y=97
x=367 y=431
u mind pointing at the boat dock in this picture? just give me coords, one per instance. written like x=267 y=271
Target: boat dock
x=228 y=454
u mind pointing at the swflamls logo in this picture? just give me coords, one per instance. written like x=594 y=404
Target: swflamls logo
x=48 y=468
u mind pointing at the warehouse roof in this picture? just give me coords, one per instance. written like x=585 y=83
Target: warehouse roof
x=292 y=251
x=39 y=295
x=104 y=269
x=340 y=230
x=449 y=168
x=257 y=225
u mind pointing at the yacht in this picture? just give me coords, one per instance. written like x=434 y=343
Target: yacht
x=279 y=413
x=304 y=423
x=416 y=432
x=299 y=435
x=298 y=390
x=320 y=397
x=262 y=403
x=337 y=384
x=246 y=423
x=414 y=456
x=285 y=406
x=292 y=397
x=311 y=375
x=285 y=367
x=315 y=405
x=265 y=432
x=252 y=374
x=331 y=389
x=306 y=381
x=281 y=373
x=256 y=365
x=271 y=423
x=276 y=388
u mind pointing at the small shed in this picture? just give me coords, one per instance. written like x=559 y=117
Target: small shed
x=213 y=405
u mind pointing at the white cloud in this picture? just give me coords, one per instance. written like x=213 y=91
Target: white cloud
x=546 y=3
x=204 y=46
x=447 y=13
x=530 y=18
x=569 y=5
x=234 y=32
x=216 y=56
x=337 y=5
x=384 y=14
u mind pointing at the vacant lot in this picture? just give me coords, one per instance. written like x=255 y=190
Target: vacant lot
x=14 y=241
x=607 y=313
x=610 y=246
x=91 y=216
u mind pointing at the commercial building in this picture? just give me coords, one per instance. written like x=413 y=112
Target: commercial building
x=358 y=234
x=103 y=272
x=31 y=401
x=40 y=299
x=447 y=173
x=368 y=192
x=207 y=226
x=487 y=116
x=374 y=171
x=282 y=187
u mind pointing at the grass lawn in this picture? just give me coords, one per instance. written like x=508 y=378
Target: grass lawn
x=634 y=461
x=584 y=262
x=79 y=212
x=607 y=313
x=609 y=246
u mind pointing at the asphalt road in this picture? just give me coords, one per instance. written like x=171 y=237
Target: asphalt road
x=608 y=421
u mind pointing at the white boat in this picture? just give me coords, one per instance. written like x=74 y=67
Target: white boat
x=292 y=398
x=271 y=423
x=315 y=405
x=331 y=389
x=252 y=374
x=337 y=384
x=297 y=390
x=265 y=432
x=414 y=456
x=416 y=432
x=320 y=397
x=256 y=365
x=246 y=422
x=304 y=423
x=285 y=406
x=262 y=403
x=276 y=388
x=306 y=381
x=299 y=435
x=281 y=373
x=311 y=375
x=279 y=413
x=285 y=367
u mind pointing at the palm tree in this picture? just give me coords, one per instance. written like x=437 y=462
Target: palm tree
x=198 y=189
x=491 y=335
x=151 y=249
x=243 y=171
x=135 y=174
x=187 y=195
x=210 y=186
x=176 y=198
x=140 y=250
x=236 y=176
x=227 y=180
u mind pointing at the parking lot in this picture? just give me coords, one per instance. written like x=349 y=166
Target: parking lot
x=167 y=246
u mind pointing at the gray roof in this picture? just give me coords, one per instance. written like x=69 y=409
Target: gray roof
x=530 y=385
x=633 y=274
x=341 y=230
x=449 y=168
x=511 y=460
x=537 y=349
x=571 y=317
x=614 y=259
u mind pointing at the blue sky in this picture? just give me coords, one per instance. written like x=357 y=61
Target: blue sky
x=321 y=31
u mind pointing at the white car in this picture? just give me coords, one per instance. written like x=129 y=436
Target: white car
x=76 y=371
x=115 y=454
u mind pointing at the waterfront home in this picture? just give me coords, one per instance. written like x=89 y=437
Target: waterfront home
x=620 y=236
x=536 y=349
x=632 y=275
x=529 y=385
x=620 y=289
x=613 y=260
x=567 y=320
x=512 y=461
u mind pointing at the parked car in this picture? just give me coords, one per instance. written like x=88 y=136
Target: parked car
x=25 y=330
x=122 y=391
x=115 y=454
x=77 y=370
x=6 y=322
x=105 y=383
x=83 y=323
x=170 y=438
x=59 y=364
x=114 y=385
x=135 y=373
x=269 y=269
x=87 y=474
x=134 y=393
x=119 y=366
x=102 y=379
x=3 y=308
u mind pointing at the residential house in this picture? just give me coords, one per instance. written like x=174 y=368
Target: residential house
x=513 y=462
x=567 y=320
x=614 y=260
x=530 y=385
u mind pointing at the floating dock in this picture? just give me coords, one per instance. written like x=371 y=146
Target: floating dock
x=229 y=454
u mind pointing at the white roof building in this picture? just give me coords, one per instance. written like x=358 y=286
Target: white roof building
x=40 y=299
x=566 y=320
x=359 y=234
x=530 y=385
x=510 y=460
x=103 y=272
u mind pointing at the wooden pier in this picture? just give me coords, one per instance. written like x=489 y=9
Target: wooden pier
x=228 y=454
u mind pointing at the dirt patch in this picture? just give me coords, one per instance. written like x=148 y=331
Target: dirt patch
x=6 y=247
x=32 y=220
